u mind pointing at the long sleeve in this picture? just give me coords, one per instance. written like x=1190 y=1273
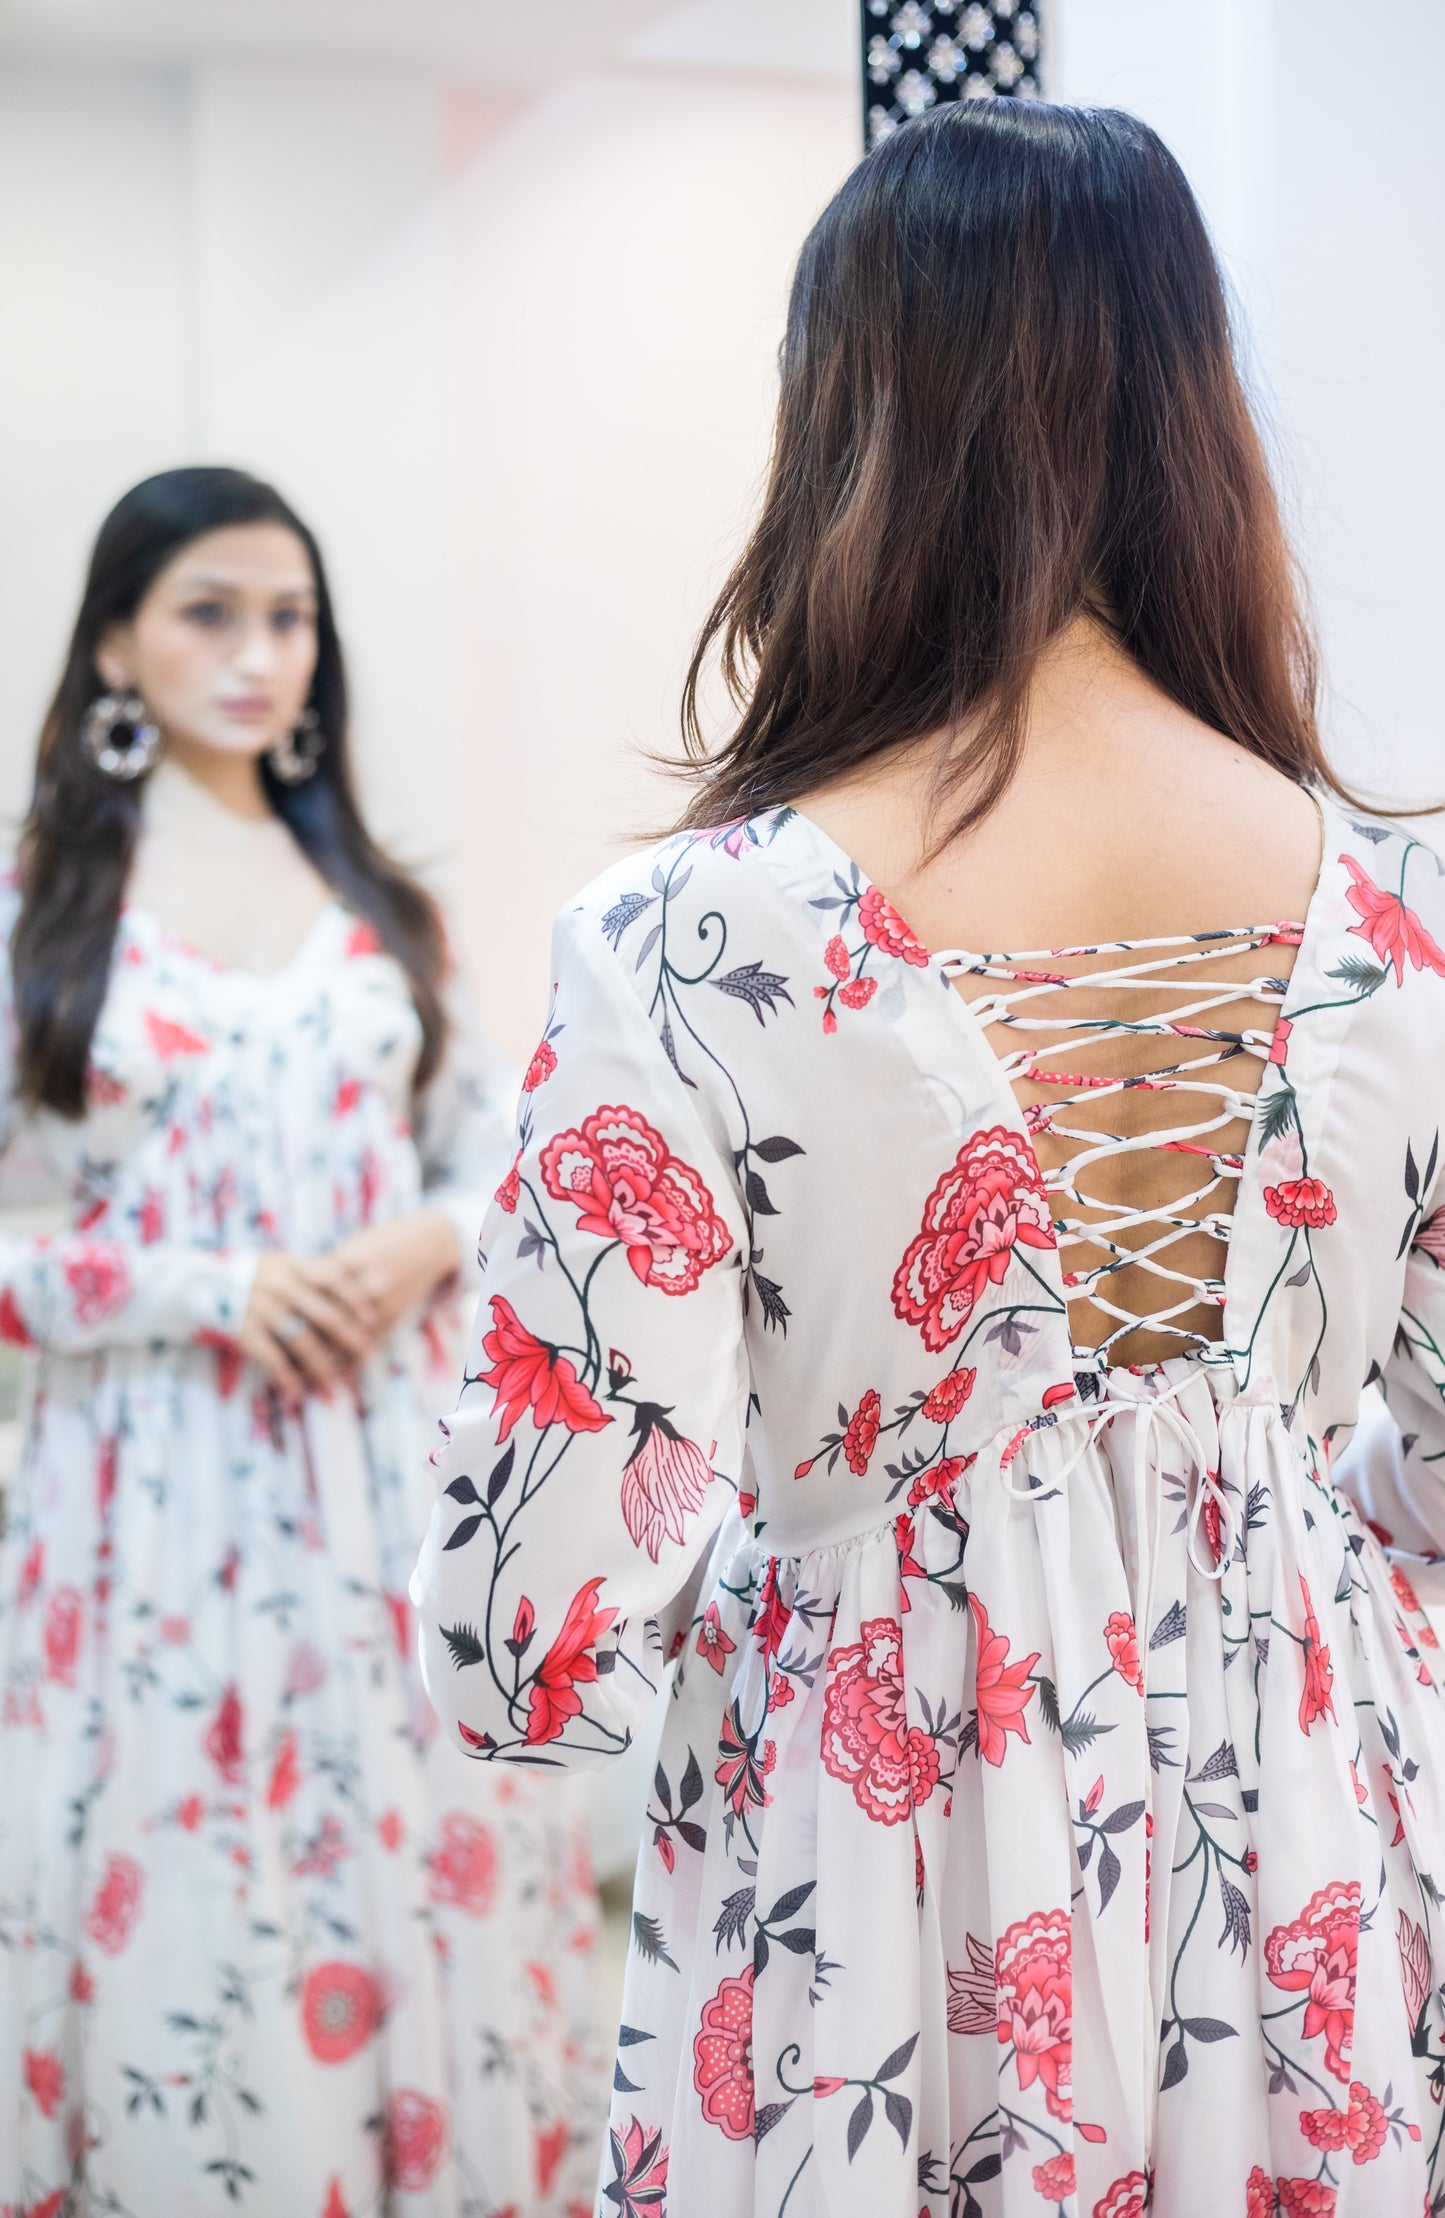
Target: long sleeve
x=464 y=1130
x=599 y=1435
x=1394 y=1466
x=74 y=1292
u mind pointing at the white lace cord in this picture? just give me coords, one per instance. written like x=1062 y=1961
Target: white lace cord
x=1200 y=1486
x=1169 y=1224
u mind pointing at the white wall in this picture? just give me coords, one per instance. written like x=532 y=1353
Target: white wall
x=1311 y=131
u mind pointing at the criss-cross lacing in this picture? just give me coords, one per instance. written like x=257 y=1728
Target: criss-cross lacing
x=1119 y=1235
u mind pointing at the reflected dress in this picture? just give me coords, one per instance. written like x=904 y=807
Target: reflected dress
x=264 y=1944
x=1050 y=1816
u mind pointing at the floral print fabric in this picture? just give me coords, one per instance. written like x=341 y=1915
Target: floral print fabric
x=1050 y=1815
x=264 y=1945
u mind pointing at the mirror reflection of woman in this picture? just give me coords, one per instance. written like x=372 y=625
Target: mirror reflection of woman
x=259 y=1951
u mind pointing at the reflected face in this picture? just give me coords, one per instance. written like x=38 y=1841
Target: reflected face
x=222 y=649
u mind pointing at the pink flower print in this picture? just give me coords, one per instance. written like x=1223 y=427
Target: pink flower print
x=1316 y=1956
x=868 y=1744
x=626 y=1185
x=722 y=2050
x=986 y=1206
x=116 y=1904
x=663 y=1482
x=1034 y=1982
x=63 y=1621
x=98 y=1279
x=713 y=1644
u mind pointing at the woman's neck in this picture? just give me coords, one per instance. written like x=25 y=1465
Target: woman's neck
x=234 y=781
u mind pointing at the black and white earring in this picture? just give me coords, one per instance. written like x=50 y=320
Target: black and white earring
x=120 y=714
x=294 y=759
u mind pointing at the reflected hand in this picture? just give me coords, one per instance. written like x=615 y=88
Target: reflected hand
x=390 y=1270
x=301 y=1329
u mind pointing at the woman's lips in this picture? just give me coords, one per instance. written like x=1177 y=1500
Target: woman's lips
x=247 y=708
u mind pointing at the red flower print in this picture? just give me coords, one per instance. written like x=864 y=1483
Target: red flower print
x=885 y=929
x=1305 y=2198
x=169 y=1039
x=988 y=1203
x=335 y=2203
x=1125 y=2199
x=528 y=1372
x=738 y=1773
x=1301 y=1201
x=150 y=1220
x=98 y=1280
x=390 y=1830
x=541 y=1067
x=722 y=2051
x=1405 y=1594
x=868 y=1743
x=341 y=2009
x=361 y=940
x=568 y=1662
x=771 y=1622
x=509 y=1193
x=13 y=1329
x=223 y=1742
x=712 y=1641
x=285 y=1774
x=640 y=2172
x=1279 y=1045
x=62 y=1634
x=1315 y=1956
x=1055 y=2180
x=1324 y=2129
x=1316 y=1699
x=82 y=1986
x=464 y=1864
x=414 y=2139
x=944 y=1402
x=115 y=1905
x=1003 y=1692
x=1123 y=1642
x=861 y=1437
x=858 y=992
x=45 y=2079
x=1034 y=1980
x=941 y=1480
x=1392 y=930
x=625 y=1185
x=548 y=2148
x=1259 y=2194
x=663 y=1482
x=1365 y=2125
x=836 y=956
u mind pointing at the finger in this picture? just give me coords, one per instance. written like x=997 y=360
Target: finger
x=334 y=1320
x=343 y=1284
x=270 y=1360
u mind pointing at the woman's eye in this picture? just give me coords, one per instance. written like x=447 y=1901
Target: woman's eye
x=288 y=619
x=206 y=612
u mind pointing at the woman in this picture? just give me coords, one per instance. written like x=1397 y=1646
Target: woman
x=260 y=1950
x=1051 y=1803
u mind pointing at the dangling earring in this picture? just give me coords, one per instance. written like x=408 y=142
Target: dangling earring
x=112 y=713
x=294 y=759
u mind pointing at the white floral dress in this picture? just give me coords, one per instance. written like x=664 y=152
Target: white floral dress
x=264 y=1945
x=1050 y=1816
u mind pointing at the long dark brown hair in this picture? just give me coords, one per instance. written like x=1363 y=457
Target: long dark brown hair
x=1008 y=398
x=80 y=835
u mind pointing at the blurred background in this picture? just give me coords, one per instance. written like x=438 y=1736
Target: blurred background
x=494 y=292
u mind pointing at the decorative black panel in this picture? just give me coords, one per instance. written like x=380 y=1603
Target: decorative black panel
x=919 y=52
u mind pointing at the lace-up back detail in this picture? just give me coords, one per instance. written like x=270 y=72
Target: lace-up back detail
x=1136 y=1064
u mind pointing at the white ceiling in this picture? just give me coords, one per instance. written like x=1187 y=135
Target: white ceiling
x=519 y=44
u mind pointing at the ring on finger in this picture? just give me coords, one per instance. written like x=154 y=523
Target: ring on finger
x=293 y=1328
